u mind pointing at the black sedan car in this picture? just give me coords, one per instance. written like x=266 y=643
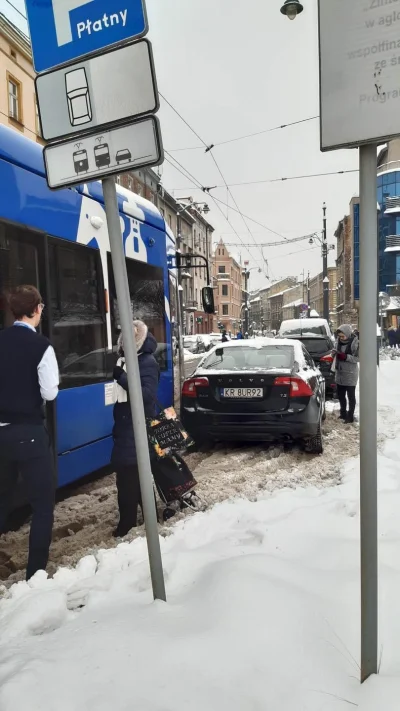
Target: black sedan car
x=261 y=390
x=320 y=349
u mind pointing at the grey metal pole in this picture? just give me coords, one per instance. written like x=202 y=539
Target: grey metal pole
x=246 y=308
x=180 y=335
x=136 y=399
x=325 y=267
x=368 y=414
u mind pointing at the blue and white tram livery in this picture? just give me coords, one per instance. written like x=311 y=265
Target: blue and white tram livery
x=58 y=241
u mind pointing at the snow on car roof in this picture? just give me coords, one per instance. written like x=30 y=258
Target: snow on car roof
x=303 y=323
x=261 y=343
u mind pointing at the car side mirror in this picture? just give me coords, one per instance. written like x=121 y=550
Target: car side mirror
x=207 y=295
x=219 y=352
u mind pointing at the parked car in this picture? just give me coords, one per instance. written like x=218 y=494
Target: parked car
x=261 y=390
x=303 y=326
x=319 y=342
x=194 y=344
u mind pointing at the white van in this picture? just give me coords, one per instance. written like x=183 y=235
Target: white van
x=305 y=327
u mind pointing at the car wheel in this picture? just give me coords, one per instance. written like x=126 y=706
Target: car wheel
x=315 y=444
x=324 y=413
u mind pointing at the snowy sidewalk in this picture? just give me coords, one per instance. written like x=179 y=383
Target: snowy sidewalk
x=262 y=613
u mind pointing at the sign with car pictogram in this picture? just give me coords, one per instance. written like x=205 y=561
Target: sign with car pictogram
x=93 y=156
x=93 y=93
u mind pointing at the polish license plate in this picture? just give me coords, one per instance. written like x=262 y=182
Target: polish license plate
x=242 y=393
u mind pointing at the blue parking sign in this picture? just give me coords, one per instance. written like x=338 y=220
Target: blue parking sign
x=65 y=30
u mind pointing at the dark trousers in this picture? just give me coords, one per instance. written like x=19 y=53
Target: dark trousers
x=25 y=449
x=129 y=495
x=350 y=392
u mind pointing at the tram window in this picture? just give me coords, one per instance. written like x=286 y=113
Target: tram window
x=79 y=330
x=146 y=287
x=18 y=265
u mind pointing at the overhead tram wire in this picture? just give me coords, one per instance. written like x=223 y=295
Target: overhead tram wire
x=248 y=135
x=191 y=177
x=198 y=186
x=19 y=12
x=285 y=179
x=208 y=149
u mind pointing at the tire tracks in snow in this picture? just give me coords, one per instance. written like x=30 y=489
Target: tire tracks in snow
x=85 y=520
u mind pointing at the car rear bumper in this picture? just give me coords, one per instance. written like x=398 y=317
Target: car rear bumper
x=261 y=427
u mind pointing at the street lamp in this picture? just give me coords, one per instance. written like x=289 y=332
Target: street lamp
x=291 y=8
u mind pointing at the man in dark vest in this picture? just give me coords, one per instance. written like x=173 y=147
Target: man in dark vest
x=28 y=375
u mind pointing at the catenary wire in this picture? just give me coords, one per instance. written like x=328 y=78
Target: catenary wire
x=248 y=135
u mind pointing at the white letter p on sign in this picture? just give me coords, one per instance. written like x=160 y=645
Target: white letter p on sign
x=61 y=10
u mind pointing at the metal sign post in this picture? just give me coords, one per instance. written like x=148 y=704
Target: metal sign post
x=99 y=115
x=368 y=414
x=135 y=392
x=359 y=108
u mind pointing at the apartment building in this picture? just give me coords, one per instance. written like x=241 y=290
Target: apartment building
x=228 y=288
x=316 y=286
x=18 y=107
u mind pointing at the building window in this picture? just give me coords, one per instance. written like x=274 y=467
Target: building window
x=162 y=211
x=118 y=180
x=14 y=99
x=169 y=220
x=225 y=308
x=13 y=53
x=219 y=252
x=221 y=269
x=130 y=183
x=224 y=289
x=397 y=268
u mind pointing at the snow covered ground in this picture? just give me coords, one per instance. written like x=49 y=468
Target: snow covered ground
x=263 y=596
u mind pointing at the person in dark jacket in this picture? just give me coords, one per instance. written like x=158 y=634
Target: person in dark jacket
x=28 y=377
x=239 y=336
x=124 y=450
x=392 y=337
x=345 y=366
x=225 y=338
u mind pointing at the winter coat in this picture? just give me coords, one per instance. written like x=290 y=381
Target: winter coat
x=346 y=371
x=124 y=450
x=239 y=336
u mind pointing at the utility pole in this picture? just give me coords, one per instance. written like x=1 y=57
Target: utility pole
x=180 y=304
x=325 y=278
x=308 y=294
x=246 y=308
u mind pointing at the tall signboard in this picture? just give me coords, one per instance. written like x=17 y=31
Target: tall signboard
x=97 y=110
x=359 y=44
x=359 y=51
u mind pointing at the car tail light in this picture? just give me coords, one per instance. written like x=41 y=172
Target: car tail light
x=328 y=358
x=190 y=386
x=298 y=387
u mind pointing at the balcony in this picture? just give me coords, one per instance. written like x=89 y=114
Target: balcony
x=223 y=276
x=392 y=205
x=392 y=243
x=190 y=305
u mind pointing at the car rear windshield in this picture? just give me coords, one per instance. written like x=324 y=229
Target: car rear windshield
x=242 y=358
x=308 y=330
x=316 y=345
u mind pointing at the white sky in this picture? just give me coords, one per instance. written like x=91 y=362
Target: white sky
x=231 y=72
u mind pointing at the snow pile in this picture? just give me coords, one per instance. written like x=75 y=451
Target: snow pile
x=84 y=522
x=190 y=356
x=387 y=353
x=262 y=612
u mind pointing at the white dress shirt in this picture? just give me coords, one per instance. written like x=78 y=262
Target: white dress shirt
x=48 y=374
